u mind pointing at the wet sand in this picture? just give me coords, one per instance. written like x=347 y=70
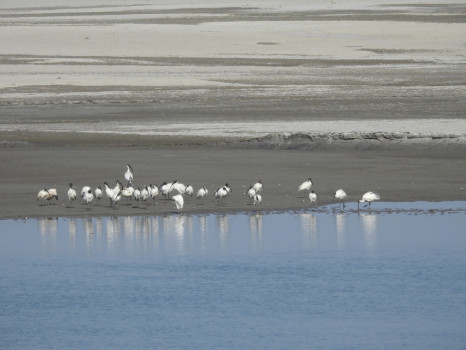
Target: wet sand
x=398 y=176
x=365 y=95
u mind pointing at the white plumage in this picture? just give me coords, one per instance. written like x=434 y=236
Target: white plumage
x=306 y=185
x=369 y=197
x=189 y=190
x=202 y=192
x=129 y=176
x=71 y=193
x=98 y=193
x=340 y=195
x=88 y=198
x=145 y=194
x=179 y=201
x=313 y=197
x=257 y=186
x=251 y=193
x=154 y=191
x=178 y=187
x=84 y=190
x=221 y=193
x=127 y=192
x=165 y=189
x=48 y=195
x=257 y=199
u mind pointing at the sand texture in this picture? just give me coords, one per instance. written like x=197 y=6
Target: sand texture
x=363 y=95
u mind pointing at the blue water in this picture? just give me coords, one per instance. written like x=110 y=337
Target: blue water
x=309 y=280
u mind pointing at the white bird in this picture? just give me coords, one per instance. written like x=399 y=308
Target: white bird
x=165 y=189
x=48 y=195
x=145 y=194
x=306 y=185
x=313 y=197
x=251 y=193
x=202 y=192
x=369 y=197
x=98 y=193
x=116 y=197
x=84 y=190
x=154 y=191
x=189 y=190
x=137 y=194
x=221 y=193
x=257 y=186
x=129 y=175
x=118 y=186
x=72 y=194
x=340 y=195
x=179 y=201
x=109 y=193
x=178 y=186
x=257 y=199
x=228 y=189
x=88 y=197
x=127 y=192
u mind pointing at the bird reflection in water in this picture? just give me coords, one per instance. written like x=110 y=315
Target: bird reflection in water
x=255 y=228
x=340 y=224
x=309 y=229
x=223 y=225
x=369 y=225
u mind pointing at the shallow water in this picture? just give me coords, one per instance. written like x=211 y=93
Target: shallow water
x=391 y=278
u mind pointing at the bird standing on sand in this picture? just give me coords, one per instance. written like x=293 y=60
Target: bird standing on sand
x=179 y=201
x=98 y=193
x=202 y=192
x=313 y=197
x=340 y=195
x=257 y=199
x=165 y=189
x=306 y=185
x=145 y=194
x=129 y=176
x=88 y=197
x=221 y=193
x=84 y=190
x=109 y=192
x=154 y=191
x=189 y=190
x=251 y=193
x=71 y=194
x=257 y=186
x=369 y=197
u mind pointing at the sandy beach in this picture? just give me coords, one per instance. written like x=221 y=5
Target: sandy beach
x=363 y=96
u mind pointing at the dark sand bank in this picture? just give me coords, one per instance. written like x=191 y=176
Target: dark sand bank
x=411 y=175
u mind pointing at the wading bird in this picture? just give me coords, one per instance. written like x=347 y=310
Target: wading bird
x=313 y=197
x=257 y=199
x=189 y=190
x=257 y=186
x=165 y=189
x=202 y=192
x=88 y=197
x=127 y=192
x=129 y=175
x=251 y=193
x=369 y=197
x=71 y=194
x=306 y=185
x=340 y=195
x=221 y=193
x=179 y=201
x=84 y=190
x=47 y=195
x=98 y=193
x=154 y=191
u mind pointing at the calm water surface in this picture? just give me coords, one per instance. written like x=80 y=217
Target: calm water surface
x=388 y=279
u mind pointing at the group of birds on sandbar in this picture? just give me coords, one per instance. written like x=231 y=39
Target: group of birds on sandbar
x=147 y=192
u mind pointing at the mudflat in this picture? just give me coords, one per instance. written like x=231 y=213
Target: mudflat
x=364 y=96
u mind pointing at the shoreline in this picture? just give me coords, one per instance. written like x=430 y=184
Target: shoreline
x=415 y=174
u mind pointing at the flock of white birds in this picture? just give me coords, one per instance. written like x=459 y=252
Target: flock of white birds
x=178 y=190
